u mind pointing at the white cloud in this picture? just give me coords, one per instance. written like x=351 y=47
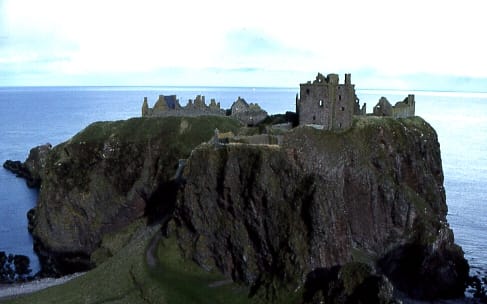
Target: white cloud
x=389 y=37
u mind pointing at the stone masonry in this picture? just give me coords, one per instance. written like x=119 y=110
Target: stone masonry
x=248 y=114
x=327 y=103
x=401 y=109
x=169 y=106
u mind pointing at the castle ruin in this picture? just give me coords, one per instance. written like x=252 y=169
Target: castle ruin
x=327 y=103
x=324 y=104
x=248 y=114
x=401 y=109
x=169 y=106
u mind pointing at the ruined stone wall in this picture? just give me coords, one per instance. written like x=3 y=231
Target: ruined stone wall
x=405 y=108
x=145 y=108
x=401 y=109
x=169 y=106
x=326 y=102
x=383 y=108
x=189 y=112
x=315 y=105
x=344 y=107
x=248 y=114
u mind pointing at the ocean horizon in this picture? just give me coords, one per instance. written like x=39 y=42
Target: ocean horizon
x=32 y=116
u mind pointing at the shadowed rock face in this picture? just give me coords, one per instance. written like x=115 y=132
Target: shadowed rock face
x=323 y=199
x=104 y=178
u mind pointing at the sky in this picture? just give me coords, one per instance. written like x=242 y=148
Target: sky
x=404 y=45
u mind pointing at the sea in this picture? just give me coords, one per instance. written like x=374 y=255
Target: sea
x=31 y=116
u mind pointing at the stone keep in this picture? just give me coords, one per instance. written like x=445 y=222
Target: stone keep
x=326 y=102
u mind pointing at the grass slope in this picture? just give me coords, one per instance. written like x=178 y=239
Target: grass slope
x=126 y=278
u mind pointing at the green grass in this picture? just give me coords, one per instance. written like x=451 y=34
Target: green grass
x=142 y=129
x=126 y=278
x=183 y=281
x=116 y=281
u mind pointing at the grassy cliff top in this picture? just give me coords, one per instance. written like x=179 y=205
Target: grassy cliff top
x=144 y=128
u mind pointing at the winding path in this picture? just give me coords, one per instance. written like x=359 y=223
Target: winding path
x=14 y=290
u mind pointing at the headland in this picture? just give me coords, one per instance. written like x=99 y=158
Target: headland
x=327 y=203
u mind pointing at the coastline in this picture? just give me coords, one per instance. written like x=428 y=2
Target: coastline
x=9 y=291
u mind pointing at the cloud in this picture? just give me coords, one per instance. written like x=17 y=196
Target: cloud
x=252 y=48
x=376 y=40
x=31 y=55
x=250 y=42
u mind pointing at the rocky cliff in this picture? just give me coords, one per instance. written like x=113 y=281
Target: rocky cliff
x=372 y=194
x=104 y=178
x=275 y=217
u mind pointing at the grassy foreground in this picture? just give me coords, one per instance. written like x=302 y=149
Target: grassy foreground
x=126 y=278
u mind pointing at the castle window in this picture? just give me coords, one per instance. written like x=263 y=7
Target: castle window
x=307 y=91
x=339 y=97
x=321 y=103
x=314 y=118
x=343 y=109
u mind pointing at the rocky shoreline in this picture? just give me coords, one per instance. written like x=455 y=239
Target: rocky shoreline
x=31 y=167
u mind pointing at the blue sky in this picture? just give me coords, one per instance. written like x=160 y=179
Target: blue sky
x=410 y=45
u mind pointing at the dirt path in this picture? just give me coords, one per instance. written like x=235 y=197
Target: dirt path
x=13 y=290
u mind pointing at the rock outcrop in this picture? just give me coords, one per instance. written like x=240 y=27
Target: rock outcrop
x=18 y=168
x=277 y=213
x=104 y=178
x=33 y=166
x=14 y=268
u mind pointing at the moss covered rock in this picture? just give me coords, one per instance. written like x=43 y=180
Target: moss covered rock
x=318 y=200
x=106 y=177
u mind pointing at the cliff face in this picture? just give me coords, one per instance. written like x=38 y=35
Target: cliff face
x=372 y=194
x=267 y=215
x=104 y=178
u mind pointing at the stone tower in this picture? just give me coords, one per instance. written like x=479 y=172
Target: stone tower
x=326 y=102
